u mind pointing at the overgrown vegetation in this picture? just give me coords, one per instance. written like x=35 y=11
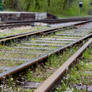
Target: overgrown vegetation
x=58 y=7
x=39 y=73
x=79 y=79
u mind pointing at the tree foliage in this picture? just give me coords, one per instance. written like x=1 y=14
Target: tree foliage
x=52 y=6
x=10 y=4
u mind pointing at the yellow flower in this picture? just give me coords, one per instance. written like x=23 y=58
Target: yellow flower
x=33 y=38
x=51 y=44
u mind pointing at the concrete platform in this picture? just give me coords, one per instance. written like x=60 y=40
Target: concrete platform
x=11 y=16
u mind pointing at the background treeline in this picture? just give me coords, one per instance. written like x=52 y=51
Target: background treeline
x=64 y=7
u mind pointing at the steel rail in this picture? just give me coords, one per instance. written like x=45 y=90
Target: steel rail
x=41 y=58
x=34 y=61
x=39 y=32
x=51 y=21
x=11 y=24
x=48 y=84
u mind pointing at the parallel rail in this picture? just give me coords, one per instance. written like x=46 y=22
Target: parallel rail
x=52 y=21
x=10 y=24
x=40 y=32
x=48 y=84
x=55 y=38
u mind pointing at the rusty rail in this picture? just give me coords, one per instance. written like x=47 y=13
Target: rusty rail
x=34 y=61
x=11 y=24
x=51 y=21
x=48 y=84
x=42 y=58
x=19 y=36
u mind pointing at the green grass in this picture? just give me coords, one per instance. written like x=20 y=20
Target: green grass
x=61 y=8
x=54 y=62
x=42 y=72
x=78 y=75
x=17 y=31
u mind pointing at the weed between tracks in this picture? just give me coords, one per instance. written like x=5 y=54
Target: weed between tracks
x=15 y=31
x=39 y=73
x=17 y=54
x=80 y=77
x=43 y=71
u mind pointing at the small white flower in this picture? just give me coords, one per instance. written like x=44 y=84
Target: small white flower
x=11 y=79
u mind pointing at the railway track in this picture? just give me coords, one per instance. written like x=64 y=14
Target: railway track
x=11 y=24
x=20 y=56
x=48 y=84
x=17 y=31
x=53 y=21
x=34 y=32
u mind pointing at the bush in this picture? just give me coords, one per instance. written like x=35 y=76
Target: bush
x=58 y=7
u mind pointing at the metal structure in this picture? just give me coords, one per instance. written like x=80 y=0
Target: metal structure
x=23 y=35
x=47 y=50
x=14 y=23
x=48 y=84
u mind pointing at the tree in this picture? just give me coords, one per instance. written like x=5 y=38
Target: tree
x=67 y=3
x=10 y=4
x=37 y=6
x=48 y=3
